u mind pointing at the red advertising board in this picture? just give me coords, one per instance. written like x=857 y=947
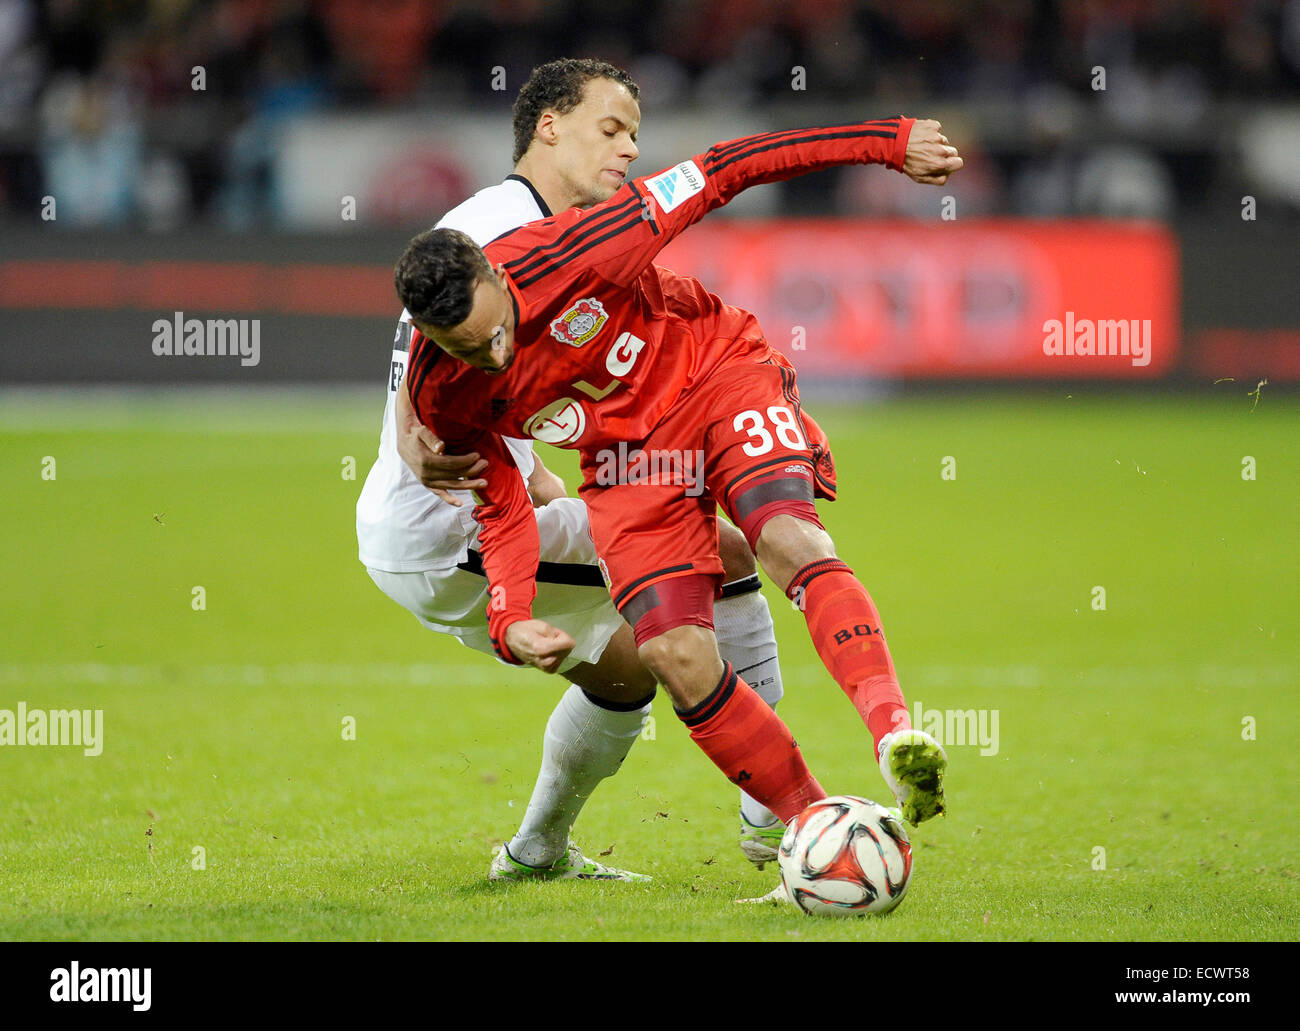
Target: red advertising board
x=843 y=298
x=979 y=298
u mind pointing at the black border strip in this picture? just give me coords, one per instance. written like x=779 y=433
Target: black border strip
x=743 y=585
x=811 y=572
x=724 y=149
x=572 y=574
x=719 y=166
x=592 y=222
x=780 y=460
x=718 y=697
x=629 y=222
x=618 y=602
x=542 y=206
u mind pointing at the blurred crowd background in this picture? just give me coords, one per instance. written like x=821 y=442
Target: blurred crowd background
x=165 y=114
x=1131 y=160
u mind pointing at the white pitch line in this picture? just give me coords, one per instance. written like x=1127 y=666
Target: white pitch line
x=416 y=674
x=428 y=674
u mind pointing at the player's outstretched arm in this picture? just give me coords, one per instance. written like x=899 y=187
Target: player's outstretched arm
x=621 y=237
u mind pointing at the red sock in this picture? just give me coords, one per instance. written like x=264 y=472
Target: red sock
x=750 y=744
x=845 y=629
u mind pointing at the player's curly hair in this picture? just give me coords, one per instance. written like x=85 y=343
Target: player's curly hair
x=436 y=276
x=558 y=86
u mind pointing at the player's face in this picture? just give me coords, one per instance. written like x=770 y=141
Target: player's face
x=596 y=142
x=486 y=339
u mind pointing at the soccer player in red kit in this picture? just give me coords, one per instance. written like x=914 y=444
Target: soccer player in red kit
x=577 y=339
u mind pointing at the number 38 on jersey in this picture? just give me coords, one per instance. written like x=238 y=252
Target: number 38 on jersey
x=783 y=424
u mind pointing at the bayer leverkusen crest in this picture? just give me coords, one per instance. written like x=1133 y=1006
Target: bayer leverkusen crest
x=580 y=323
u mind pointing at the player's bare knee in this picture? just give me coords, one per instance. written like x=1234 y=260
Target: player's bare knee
x=737 y=560
x=686 y=661
x=788 y=543
x=670 y=656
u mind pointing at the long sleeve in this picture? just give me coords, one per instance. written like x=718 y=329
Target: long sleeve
x=619 y=239
x=508 y=539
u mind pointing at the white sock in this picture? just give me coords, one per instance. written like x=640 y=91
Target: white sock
x=747 y=639
x=584 y=744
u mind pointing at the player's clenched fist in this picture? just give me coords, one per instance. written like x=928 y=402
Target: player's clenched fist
x=539 y=644
x=930 y=157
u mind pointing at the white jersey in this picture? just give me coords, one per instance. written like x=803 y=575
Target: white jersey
x=402 y=526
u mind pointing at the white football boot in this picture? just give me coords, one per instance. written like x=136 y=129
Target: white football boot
x=572 y=866
x=913 y=764
x=759 y=844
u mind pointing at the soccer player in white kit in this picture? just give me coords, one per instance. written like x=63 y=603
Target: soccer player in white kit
x=575 y=128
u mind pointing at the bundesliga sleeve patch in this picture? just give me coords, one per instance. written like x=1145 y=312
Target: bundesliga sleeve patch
x=674 y=186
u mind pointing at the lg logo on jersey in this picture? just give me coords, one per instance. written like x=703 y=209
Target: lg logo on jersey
x=622 y=356
x=560 y=422
x=563 y=421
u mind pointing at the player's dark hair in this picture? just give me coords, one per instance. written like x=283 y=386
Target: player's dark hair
x=436 y=276
x=559 y=86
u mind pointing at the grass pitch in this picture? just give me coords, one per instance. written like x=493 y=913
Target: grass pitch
x=1142 y=787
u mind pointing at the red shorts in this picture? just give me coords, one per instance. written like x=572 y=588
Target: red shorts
x=739 y=440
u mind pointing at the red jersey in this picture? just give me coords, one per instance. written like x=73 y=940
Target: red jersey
x=607 y=342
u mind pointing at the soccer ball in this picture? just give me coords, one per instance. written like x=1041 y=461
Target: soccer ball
x=845 y=856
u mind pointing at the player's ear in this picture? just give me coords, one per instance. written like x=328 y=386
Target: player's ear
x=546 y=130
x=501 y=275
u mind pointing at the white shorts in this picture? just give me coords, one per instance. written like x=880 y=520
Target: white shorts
x=570 y=591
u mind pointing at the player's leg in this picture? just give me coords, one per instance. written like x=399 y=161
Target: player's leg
x=846 y=630
x=773 y=462
x=587 y=737
x=747 y=639
x=658 y=545
x=589 y=732
x=725 y=717
x=599 y=718
x=842 y=619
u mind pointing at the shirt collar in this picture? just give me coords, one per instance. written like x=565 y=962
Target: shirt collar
x=541 y=204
